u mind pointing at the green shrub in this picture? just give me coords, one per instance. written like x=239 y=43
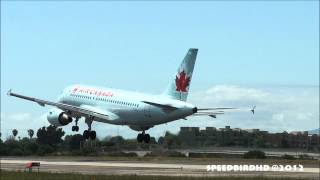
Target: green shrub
x=305 y=156
x=17 y=152
x=89 y=150
x=44 y=149
x=207 y=155
x=289 y=157
x=165 y=154
x=255 y=154
x=122 y=154
x=175 y=154
x=3 y=149
x=31 y=147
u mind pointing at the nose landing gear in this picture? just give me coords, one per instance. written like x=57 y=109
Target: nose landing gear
x=143 y=137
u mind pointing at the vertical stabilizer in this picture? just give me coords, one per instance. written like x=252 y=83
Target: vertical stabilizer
x=178 y=87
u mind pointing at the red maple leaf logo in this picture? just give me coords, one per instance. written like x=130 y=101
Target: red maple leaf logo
x=182 y=82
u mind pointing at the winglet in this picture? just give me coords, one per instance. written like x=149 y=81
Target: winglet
x=252 y=110
x=9 y=92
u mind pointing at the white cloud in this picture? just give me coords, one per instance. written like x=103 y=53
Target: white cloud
x=20 y=117
x=304 y=116
x=278 y=108
x=278 y=117
x=222 y=93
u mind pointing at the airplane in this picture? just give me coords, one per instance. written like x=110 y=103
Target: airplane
x=119 y=107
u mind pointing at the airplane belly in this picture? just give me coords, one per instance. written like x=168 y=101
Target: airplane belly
x=142 y=116
x=128 y=117
x=148 y=116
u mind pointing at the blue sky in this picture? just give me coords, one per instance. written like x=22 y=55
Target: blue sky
x=262 y=47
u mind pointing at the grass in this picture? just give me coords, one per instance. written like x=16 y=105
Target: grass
x=11 y=175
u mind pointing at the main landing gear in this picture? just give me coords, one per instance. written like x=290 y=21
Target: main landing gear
x=88 y=133
x=143 y=137
x=76 y=127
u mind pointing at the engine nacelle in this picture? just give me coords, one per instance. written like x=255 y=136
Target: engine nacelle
x=58 y=117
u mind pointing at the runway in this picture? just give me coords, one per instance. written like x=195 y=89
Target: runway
x=143 y=168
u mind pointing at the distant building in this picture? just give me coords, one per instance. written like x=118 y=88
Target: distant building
x=190 y=130
x=211 y=136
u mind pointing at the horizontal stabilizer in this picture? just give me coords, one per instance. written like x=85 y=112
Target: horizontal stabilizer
x=213 y=112
x=208 y=109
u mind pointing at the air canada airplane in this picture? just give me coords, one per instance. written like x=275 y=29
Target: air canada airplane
x=138 y=111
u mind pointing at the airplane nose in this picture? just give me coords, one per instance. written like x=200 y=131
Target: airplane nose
x=195 y=109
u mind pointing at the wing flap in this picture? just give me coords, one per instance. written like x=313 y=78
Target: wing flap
x=111 y=116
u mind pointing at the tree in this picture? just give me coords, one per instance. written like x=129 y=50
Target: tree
x=14 y=133
x=117 y=140
x=50 y=135
x=72 y=142
x=13 y=147
x=30 y=133
x=75 y=141
x=29 y=146
x=161 y=140
x=45 y=149
x=171 y=140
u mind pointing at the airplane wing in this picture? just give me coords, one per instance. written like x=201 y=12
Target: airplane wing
x=83 y=111
x=213 y=112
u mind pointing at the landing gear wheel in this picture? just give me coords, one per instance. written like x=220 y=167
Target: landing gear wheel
x=146 y=138
x=75 y=128
x=140 y=138
x=86 y=134
x=93 y=135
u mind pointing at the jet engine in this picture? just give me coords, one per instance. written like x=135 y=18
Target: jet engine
x=58 y=117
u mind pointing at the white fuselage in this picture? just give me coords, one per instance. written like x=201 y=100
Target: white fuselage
x=127 y=108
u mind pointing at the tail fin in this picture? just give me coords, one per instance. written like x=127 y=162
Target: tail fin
x=178 y=87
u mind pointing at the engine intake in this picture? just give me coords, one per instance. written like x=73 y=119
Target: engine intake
x=64 y=119
x=58 y=117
